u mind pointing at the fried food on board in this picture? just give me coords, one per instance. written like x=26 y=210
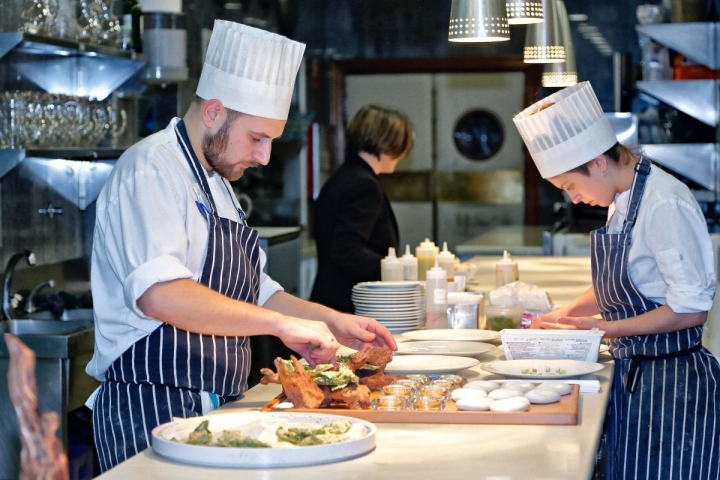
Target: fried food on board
x=350 y=383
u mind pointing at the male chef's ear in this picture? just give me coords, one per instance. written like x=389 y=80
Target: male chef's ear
x=214 y=114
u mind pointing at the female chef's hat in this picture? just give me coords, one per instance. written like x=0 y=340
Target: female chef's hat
x=565 y=130
x=250 y=70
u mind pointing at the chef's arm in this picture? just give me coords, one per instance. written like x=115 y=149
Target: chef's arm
x=191 y=306
x=583 y=306
x=658 y=320
x=351 y=330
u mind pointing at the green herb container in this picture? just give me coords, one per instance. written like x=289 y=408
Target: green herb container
x=500 y=317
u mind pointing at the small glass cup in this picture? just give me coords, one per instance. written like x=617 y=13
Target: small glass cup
x=420 y=378
x=390 y=403
x=413 y=384
x=433 y=390
x=458 y=380
x=448 y=384
x=428 y=404
x=397 y=390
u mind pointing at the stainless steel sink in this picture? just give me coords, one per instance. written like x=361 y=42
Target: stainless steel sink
x=67 y=315
x=46 y=327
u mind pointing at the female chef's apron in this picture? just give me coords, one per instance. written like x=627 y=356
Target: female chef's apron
x=162 y=375
x=663 y=420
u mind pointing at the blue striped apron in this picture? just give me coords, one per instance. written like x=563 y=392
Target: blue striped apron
x=161 y=376
x=663 y=421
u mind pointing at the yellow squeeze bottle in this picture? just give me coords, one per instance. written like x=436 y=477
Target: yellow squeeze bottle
x=425 y=253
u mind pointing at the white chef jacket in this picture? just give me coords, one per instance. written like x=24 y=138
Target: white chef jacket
x=149 y=229
x=671 y=258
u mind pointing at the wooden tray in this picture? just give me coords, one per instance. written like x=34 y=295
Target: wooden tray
x=564 y=412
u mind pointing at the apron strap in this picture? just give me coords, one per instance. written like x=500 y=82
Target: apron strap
x=642 y=169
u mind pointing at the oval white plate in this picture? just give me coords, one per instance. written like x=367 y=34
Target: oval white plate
x=405 y=364
x=165 y=442
x=539 y=368
x=456 y=334
x=443 y=347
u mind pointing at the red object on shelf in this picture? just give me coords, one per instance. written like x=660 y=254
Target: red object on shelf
x=686 y=69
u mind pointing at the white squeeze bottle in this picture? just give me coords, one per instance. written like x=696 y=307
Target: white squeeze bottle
x=391 y=270
x=446 y=261
x=425 y=253
x=506 y=270
x=410 y=265
x=436 y=297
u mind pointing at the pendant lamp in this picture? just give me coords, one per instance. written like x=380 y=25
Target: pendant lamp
x=543 y=42
x=562 y=74
x=521 y=12
x=478 y=21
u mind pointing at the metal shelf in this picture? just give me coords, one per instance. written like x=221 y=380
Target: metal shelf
x=695 y=161
x=697 y=41
x=42 y=45
x=697 y=98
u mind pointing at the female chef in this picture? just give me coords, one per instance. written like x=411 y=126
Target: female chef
x=177 y=274
x=653 y=285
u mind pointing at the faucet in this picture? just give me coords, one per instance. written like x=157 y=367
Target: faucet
x=8 y=304
x=29 y=305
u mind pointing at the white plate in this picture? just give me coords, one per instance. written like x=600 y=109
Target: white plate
x=523 y=368
x=455 y=334
x=405 y=364
x=405 y=285
x=164 y=442
x=442 y=347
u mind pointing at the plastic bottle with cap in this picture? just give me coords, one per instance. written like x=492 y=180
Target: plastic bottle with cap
x=446 y=260
x=391 y=270
x=425 y=253
x=410 y=265
x=506 y=270
x=436 y=297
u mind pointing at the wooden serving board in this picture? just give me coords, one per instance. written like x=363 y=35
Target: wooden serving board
x=564 y=412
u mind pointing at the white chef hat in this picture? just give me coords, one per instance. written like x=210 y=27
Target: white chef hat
x=250 y=70
x=565 y=130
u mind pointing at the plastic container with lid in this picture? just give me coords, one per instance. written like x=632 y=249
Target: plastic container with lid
x=425 y=253
x=500 y=317
x=391 y=270
x=446 y=261
x=506 y=271
x=436 y=297
x=463 y=309
x=410 y=265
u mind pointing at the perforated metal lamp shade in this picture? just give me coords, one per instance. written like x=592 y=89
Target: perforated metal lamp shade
x=562 y=74
x=478 y=21
x=524 y=11
x=543 y=41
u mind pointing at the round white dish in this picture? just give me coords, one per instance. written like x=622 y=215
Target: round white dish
x=165 y=442
x=454 y=334
x=434 y=364
x=444 y=347
x=541 y=368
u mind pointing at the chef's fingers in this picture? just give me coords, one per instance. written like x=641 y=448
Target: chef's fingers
x=557 y=326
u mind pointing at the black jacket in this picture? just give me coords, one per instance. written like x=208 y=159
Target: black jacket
x=354 y=227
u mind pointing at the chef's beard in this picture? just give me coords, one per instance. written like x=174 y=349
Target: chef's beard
x=214 y=146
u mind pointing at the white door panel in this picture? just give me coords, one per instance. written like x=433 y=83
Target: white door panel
x=458 y=93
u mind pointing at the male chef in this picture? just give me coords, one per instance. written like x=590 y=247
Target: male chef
x=177 y=274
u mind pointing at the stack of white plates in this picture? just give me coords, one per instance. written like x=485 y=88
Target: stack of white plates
x=400 y=306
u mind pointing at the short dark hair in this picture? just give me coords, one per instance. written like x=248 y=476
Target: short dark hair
x=376 y=129
x=232 y=115
x=614 y=154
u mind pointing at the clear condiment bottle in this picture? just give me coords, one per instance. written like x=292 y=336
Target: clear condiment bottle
x=446 y=261
x=506 y=271
x=410 y=265
x=391 y=270
x=425 y=253
x=436 y=297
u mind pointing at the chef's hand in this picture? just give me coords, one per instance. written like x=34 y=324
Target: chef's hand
x=572 y=323
x=359 y=332
x=311 y=339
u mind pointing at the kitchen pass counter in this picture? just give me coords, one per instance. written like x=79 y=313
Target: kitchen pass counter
x=448 y=451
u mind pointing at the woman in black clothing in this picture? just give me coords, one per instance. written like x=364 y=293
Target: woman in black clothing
x=354 y=222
